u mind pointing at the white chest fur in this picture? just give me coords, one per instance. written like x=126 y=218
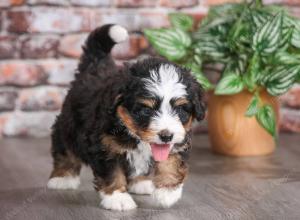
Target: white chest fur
x=139 y=159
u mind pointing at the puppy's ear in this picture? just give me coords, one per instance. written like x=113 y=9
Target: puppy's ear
x=198 y=102
x=116 y=102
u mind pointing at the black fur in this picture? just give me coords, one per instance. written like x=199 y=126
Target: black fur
x=89 y=110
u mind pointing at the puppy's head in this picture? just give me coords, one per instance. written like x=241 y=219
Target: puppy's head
x=159 y=104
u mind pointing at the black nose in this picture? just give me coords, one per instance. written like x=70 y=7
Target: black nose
x=165 y=136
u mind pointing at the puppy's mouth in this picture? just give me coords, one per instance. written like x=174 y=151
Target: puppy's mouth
x=160 y=152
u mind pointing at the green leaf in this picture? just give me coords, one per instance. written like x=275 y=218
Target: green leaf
x=281 y=80
x=215 y=50
x=289 y=21
x=196 y=71
x=170 y=43
x=253 y=106
x=204 y=82
x=287 y=34
x=258 y=18
x=267 y=119
x=181 y=21
x=287 y=58
x=298 y=78
x=229 y=84
x=250 y=78
x=266 y=39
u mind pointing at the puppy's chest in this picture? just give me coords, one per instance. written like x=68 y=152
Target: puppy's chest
x=140 y=159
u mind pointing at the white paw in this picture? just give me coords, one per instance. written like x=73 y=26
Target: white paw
x=117 y=201
x=66 y=182
x=142 y=187
x=166 y=197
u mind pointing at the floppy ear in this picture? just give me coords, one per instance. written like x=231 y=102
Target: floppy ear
x=198 y=102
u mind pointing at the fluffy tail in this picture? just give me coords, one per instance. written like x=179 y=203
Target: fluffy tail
x=99 y=44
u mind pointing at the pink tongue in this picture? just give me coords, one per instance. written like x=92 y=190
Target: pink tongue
x=160 y=152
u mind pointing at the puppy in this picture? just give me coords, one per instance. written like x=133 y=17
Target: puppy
x=131 y=125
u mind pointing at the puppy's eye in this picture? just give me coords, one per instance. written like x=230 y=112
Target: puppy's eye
x=146 y=110
x=183 y=112
x=143 y=110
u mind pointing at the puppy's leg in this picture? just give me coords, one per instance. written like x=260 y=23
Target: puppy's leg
x=111 y=184
x=141 y=185
x=168 y=180
x=65 y=173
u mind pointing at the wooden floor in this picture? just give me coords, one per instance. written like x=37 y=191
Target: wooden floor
x=218 y=187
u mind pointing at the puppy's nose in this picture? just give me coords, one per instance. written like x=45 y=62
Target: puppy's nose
x=165 y=136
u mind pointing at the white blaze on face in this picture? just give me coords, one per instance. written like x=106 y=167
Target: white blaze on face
x=166 y=84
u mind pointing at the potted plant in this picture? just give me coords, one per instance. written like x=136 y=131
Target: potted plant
x=258 y=49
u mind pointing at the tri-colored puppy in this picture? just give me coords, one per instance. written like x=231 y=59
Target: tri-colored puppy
x=132 y=126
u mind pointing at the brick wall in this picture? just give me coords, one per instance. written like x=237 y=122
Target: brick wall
x=40 y=42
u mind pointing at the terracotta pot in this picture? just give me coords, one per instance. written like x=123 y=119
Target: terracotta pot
x=231 y=132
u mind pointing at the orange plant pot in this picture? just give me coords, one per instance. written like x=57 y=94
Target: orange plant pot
x=231 y=132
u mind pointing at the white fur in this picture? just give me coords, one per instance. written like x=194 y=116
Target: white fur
x=120 y=201
x=66 y=182
x=167 y=85
x=166 y=197
x=145 y=187
x=118 y=33
x=140 y=159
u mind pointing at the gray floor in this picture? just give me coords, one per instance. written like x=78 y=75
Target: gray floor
x=218 y=187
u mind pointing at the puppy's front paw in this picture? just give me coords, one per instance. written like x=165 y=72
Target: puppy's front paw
x=144 y=187
x=65 y=182
x=120 y=201
x=166 y=197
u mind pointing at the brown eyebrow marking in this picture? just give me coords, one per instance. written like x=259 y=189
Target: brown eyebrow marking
x=181 y=101
x=147 y=102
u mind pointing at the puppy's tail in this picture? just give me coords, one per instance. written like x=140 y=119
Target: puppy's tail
x=99 y=43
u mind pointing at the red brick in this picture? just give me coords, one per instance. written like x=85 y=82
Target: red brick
x=51 y=20
x=135 y=21
x=8 y=3
x=292 y=98
x=290 y=120
x=7 y=47
x=48 y=2
x=3 y=119
x=7 y=98
x=218 y=2
x=91 y=2
x=130 y=48
x=178 y=3
x=198 y=13
x=135 y=3
x=153 y=20
x=39 y=46
x=71 y=45
x=286 y=2
x=1 y=18
x=32 y=124
x=48 y=98
x=59 y=72
x=295 y=11
x=21 y=74
x=19 y=21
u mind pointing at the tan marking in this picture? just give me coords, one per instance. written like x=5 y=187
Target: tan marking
x=145 y=135
x=66 y=165
x=147 y=102
x=113 y=147
x=170 y=173
x=187 y=126
x=181 y=101
x=118 y=182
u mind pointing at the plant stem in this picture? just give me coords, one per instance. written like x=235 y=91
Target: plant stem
x=258 y=3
